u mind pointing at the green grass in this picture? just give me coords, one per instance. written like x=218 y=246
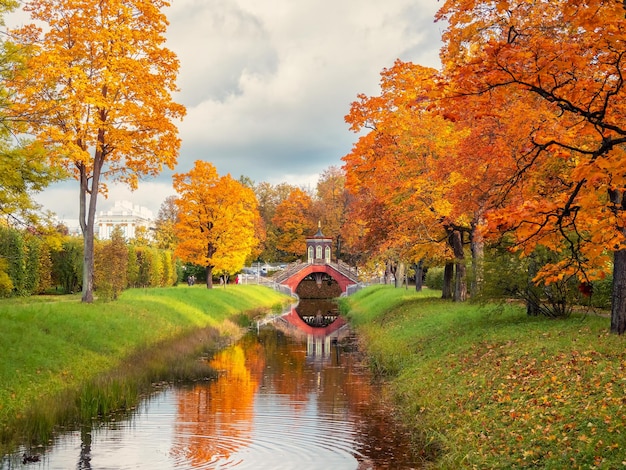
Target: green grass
x=490 y=387
x=52 y=346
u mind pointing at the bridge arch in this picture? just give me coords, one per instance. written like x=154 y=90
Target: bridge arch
x=341 y=276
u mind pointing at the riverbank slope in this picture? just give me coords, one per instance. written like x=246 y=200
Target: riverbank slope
x=52 y=344
x=490 y=387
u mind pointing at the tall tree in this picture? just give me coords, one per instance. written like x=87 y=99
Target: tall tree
x=216 y=220
x=96 y=90
x=294 y=222
x=399 y=171
x=570 y=55
x=270 y=197
x=332 y=203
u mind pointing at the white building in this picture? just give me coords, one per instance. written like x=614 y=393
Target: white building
x=126 y=216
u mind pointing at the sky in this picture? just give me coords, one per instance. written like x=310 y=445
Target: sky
x=267 y=84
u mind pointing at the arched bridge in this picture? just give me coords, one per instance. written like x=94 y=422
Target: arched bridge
x=295 y=273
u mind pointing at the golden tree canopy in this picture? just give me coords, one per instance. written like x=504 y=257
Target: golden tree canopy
x=216 y=219
x=100 y=80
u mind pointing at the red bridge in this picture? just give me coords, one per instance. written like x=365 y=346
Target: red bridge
x=320 y=272
x=332 y=278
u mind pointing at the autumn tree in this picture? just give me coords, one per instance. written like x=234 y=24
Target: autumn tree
x=498 y=142
x=96 y=89
x=399 y=174
x=216 y=220
x=294 y=222
x=269 y=197
x=331 y=203
x=569 y=55
x=260 y=228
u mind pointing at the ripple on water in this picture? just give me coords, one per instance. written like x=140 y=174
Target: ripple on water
x=282 y=436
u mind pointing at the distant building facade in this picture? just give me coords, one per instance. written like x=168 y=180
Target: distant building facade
x=126 y=216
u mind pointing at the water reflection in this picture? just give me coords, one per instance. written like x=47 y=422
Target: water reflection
x=318 y=313
x=288 y=395
x=224 y=407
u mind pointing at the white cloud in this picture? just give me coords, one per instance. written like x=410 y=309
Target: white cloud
x=267 y=83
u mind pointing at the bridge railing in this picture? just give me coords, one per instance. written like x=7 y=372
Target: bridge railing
x=289 y=271
x=284 y=289
x=345 y=270
x=353 y=288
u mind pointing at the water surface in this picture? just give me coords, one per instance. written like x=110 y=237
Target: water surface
x=289 y=396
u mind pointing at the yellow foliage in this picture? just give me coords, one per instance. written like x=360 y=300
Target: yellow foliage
x=216 y=219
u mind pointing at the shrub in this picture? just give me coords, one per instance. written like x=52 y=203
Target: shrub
x=434 y=278
x=601 y=293
x=67 y=265
x=13 y=250
x=6 y=285
x=508 y=276
x=111 y=267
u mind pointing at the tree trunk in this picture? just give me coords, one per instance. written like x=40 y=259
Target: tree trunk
x=209 y=277
x=88 y=260
x=419 y=275
x=460 y=281
x=448 y=275
x=618 y=296
x=478 y=255
x=87 y=216
x=399 y=275
x=532 y=299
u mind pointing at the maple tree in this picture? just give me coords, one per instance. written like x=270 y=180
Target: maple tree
x=260 y=230
x=570 y=56
x=398 y=174
x=294 y=222
x=494 y=145
x=216 y=221
x=95 y=88
x=331 y=203
x=270 y=197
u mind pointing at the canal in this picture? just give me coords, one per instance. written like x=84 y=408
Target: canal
x=293 y=393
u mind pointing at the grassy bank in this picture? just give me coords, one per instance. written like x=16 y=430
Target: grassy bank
x=52 y=345
x=487 y=387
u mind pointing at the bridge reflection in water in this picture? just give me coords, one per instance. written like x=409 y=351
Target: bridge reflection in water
x=319 y=321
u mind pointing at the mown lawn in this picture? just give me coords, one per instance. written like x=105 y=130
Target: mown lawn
x=490 y=387
x=56 y=343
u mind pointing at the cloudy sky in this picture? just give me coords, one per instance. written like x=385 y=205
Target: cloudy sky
x=267 y=84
